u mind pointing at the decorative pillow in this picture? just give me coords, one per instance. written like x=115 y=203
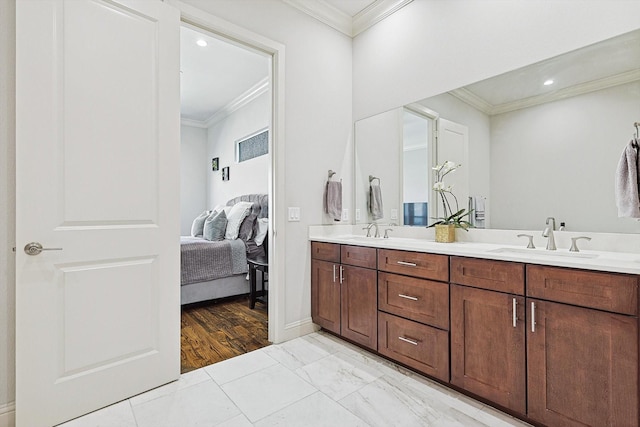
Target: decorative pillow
x=215 y=226
x=261 y=232
x=246 y=228
x=236 y=215
x=198 y=224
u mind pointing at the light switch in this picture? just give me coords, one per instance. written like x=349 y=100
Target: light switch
x=357 y=214
x=294 y=214
x=394 y=213
x=345 y=214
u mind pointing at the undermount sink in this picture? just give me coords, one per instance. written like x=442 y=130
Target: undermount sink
x=542 y=252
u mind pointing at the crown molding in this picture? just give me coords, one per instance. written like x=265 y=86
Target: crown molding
x=465 y=95
x=338 y=20
x=375 y=13
x=579 y=89
x=193 y=123
x=251 y=94
x=324 y=12
x=245 y=98
x=8 y=414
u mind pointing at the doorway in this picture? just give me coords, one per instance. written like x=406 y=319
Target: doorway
x=226 y=110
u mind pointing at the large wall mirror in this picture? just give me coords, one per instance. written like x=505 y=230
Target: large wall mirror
x=540 y=141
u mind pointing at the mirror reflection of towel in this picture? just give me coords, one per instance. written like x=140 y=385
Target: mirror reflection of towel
x=375 y=202
x=477 y=217
x=627 y=186
x=333 y=199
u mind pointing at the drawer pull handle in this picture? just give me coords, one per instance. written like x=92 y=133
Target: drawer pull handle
x=409 y=264
x=408 y=340
x=408 y=297
x=533 y=317
x=341 y=274
x=515 y=316
x=334 y=273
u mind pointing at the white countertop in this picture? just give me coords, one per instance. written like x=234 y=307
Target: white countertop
x=618 y=262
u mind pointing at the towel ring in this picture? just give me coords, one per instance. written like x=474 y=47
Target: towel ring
x=371 y=178
x=331 y=173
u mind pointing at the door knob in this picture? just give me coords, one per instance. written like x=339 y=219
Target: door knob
x=34 y=248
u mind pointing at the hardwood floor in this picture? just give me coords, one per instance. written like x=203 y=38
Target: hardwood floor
x=212 y=332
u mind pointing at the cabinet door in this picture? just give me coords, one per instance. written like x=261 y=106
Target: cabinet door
x=487 y=350
x=325 y=295
x=359 y=305
x=582 y=366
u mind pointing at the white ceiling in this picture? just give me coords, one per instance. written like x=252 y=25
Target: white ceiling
x=213 y=76
x=619 y=56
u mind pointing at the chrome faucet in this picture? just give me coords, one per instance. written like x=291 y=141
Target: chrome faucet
x=368 y=228
x=548 y=233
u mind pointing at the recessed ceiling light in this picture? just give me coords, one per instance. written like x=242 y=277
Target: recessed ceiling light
x=201 y=43
x=548 y=82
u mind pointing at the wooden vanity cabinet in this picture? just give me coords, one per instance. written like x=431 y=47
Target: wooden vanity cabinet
x=582 y=361
x=488 y=330
x=413 y=317
x=344 y=291
x=559 y=346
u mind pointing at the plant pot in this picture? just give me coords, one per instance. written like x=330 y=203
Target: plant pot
x=445 y=233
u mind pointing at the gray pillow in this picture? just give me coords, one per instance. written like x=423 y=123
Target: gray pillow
x=246 y=228
x=215 y=226
x=198 y=224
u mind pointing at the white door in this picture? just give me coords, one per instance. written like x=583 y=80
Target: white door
x=98 y=176
x=453 y=145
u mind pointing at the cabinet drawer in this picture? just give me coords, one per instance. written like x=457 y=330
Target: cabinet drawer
x=418 y=264
x=358 y=256
x=416 y=345
x=493 y=275
x=416 y=299
x=604 y=291
x=325 y=251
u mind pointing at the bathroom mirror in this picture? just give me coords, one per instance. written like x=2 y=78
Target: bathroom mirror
x=534 y=150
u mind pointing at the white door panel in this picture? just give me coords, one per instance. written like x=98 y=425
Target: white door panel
x=453 y=145
x=97 y=168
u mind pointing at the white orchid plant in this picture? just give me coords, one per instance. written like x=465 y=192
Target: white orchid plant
x=450 y=216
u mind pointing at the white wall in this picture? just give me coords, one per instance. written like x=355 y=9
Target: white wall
x=7 y=210
x=248 y=177
x=195 y=167
x=529 y=168
x=432 y=46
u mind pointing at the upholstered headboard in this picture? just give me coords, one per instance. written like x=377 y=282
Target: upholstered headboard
x=260 y=203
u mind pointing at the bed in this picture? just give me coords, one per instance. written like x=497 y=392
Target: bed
x=218 y=269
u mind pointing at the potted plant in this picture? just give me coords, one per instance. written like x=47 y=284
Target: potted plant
x=451 y=218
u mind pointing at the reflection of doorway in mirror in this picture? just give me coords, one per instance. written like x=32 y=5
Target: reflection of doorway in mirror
x=453 y=145
x=416 y=165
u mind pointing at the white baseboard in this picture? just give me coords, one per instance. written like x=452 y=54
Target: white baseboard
x=8 y=415
x=298 y=329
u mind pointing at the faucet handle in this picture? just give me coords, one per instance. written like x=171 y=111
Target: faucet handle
x=574 y=247
x=530 y=245
x=386 y=232
x=368 y=230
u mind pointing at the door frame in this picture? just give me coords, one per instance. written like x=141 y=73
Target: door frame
x=241 y=36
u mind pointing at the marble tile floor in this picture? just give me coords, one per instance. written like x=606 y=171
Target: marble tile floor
x=315 y=380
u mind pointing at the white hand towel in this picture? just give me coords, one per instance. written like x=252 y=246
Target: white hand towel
x=333 y=199
x=375 y=202
x=627 y=185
